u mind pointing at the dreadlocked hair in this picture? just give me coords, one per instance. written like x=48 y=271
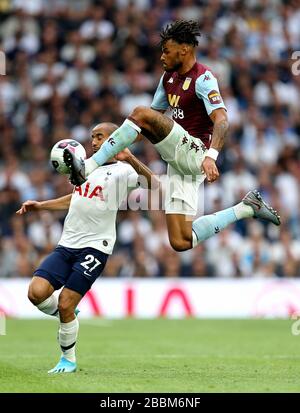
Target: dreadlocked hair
x=181 y=31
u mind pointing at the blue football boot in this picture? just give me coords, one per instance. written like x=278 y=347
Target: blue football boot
x=63 y=366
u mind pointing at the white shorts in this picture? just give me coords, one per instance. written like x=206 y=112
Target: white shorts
x=182 y=192
x=182 y=151
x=184 y=154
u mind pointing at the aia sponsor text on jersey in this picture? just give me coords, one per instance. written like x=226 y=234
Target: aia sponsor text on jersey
x=90 y=191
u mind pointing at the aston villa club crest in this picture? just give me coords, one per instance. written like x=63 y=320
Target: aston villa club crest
x=186 y=83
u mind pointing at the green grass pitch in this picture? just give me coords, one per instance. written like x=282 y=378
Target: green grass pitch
x=154 y=356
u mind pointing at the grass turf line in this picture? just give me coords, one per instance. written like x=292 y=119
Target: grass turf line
x=154 y=356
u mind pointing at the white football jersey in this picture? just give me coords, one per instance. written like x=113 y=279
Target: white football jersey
x=91 y=220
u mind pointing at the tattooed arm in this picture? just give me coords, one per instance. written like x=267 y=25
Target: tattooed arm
x=221 y=125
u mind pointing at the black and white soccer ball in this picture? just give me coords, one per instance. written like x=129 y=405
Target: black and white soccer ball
x=57 y=152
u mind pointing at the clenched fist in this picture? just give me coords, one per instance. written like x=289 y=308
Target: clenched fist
x=209 y=167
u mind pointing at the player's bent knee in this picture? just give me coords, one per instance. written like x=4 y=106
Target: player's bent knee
x=180 y=244
x=35 y=295
x=141 y=114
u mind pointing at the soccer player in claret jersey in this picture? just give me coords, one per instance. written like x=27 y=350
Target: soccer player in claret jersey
x=87 y=240
x=190 y=142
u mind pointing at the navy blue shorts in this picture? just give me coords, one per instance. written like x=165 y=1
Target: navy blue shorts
x=74 y=268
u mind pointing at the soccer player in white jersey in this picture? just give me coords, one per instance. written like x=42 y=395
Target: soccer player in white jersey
x=190 y=142
x=88 y=238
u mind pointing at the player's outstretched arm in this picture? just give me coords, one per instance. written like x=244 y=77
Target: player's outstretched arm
x=221 y=125
x=141 y=169
x=50 y=205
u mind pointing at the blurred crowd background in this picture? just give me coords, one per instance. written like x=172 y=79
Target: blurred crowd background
x=72 y=64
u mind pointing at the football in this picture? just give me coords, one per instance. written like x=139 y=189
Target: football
x=57 y=152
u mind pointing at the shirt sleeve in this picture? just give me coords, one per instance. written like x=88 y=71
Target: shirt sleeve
x=207 y=89
x=132 y=178
x=160 y=100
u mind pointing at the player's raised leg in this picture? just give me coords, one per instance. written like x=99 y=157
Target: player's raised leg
x=68 y=331
x=184 y=234
x=252 y=205
x=47 y=279
x=40 y=293
x=153 y=124
x=179 y=231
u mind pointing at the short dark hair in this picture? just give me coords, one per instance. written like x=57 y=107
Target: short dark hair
x=181 y=31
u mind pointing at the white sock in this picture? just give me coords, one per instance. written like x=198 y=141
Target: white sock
x=90 y=166
x=243 y=211
x=49 y=306
x=67 y=336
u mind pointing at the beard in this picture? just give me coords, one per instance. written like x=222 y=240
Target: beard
x=174 y=68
